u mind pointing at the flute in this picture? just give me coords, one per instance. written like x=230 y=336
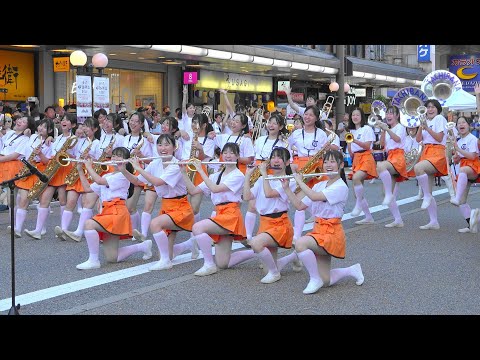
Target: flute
x=303 y=175
x=201 y=162
x=113 y=162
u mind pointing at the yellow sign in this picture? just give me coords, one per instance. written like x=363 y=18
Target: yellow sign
x=17 y=75
x=61 y=64
x=234 y=82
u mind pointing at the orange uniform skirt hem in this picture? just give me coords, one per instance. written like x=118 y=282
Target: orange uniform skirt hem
x=28 y=182
x=59 y=178
x=329 y=235
x=396 y=157
x=364 y=162
x=229 y=217
x=180 y=211
x=9 y=169
x=435 y=154
x=114 y=219
x=474 y=164
x=280 y=229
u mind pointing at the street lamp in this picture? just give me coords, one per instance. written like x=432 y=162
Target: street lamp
x=98 y=96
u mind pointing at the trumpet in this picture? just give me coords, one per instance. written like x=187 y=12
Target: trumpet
x=373 y=120
x=303 y=175
x=349 y=137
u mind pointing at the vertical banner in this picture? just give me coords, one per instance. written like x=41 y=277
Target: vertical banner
x=423 y=52
x=84 y=96
x=101 y=93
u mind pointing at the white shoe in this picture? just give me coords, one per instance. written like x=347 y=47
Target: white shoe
x=43 y=232
x=71 y=235
x=270 y=278
x=358 y=274
x=206 y=270
x=59 y=233
x=17 y=234
x=365 y=222
x=429 y=226
x=474 y=214
x=297 y=266
x=161 y=265
x=356 y=211
x=148 y=253
x=427 y=200
x=464 y=230
x=195 y=251
x=394 y=224
x=138 y=235
x=387 y=200
x=33 y=234
x=89 y=265
x=454 y=201
x=313 y=286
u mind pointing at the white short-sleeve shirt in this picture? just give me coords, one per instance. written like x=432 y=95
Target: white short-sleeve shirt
x=307 y=144
x=364 y=134
x=437 y=124
x=266 y=205
x=264 y=147
x=131 y=142
x=117 y=187
x=246 y=146
x=14 y=143
x=33 y=143
x=336 y=194
x=233 y=180
x=174 y=187
x=401 y=132
x=468 y=144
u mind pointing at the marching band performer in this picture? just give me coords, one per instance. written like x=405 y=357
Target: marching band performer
x=57 y=182
x=316 y=248
x=412 y=143
x=39 y=152
x=264 y=146
x=176 y=213
x=311 y=101
x=432 y=162
x=88 y=146
x=113 y=223
x=169 y=126
x=363 y=166
x=308 y=141
x=275 y=229
x=225 y=188
x=394 y=169
x=466 y=153
x=138 y=147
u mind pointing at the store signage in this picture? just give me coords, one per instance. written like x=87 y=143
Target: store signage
x=61 y=64
x=234 y=82
x=17 y=75
x=423 y=53
x=101 y=93
x=190 y=77
x=84 y=96
x=281 y=86
x=467 y=68
x=359 y=92
x=349 y=99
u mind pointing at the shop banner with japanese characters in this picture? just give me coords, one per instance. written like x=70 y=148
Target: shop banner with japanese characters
x=101 y=93
x=84 y=96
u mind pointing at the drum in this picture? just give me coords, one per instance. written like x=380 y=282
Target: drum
x=379 y=155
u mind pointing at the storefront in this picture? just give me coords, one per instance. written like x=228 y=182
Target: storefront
x=243 y=89
x=17 y=76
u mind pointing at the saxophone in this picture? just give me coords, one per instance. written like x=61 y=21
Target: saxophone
x=311 y=166
x=191 y=170
x=52 y=167
x=101 y=168
x=25 y=170
x=73 y=175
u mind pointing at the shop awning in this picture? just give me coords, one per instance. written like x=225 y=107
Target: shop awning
x=377 y=67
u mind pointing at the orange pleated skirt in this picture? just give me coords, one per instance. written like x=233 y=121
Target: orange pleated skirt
x=396 y=157
x=28 y=182
x=59 y=178
x=329 y=234
x=114 y=219
x=9 y=169
x=180 y=211
x=364 y=162
x=279 y=228
x=229 y=217
x=435 y=154
x=474 y=164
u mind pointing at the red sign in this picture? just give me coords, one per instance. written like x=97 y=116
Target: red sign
x=298 y=97
x=190 y=77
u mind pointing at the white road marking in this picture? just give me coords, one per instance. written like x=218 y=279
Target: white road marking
x=59 y=290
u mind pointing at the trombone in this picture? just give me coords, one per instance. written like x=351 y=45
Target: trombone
x=303 y=175
x=327 y=107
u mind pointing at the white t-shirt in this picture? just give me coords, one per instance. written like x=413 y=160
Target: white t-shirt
x=246 y=146
x=266 y=205
x=233 y=180
x=364 y=134
x=401 y=132
x=82 y=145
x=131 y=142
x=117 y=187
x=336 y=194
x=175 y=186
x=58 y=144
x=32 y=144
x=468 y=144
x=264 y=147
x=14 y=143
x=437 y=124
x=410 y=143
x=106 y=138
x=307 y=144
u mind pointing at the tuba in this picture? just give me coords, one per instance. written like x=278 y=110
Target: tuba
x=327 y=107
x=440 y=85
x=409 y=102
x=52 y=167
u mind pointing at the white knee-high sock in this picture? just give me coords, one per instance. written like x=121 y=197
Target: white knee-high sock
x=298 y=223
x=205 y=244
x=266 y=257
x=366 y=210
x=161 y=240
x=310 y=262
x=182 y=247
x=387 y=185
x=126 y=251
x=465 y=210
x=359 y=190
x=79 y=203
x=393 y=206
x=250 y=218
x=41 y=219
x=238 y=257
x=84 y=216
x=423 y=182
x=340 y=273
x=20 y=219
x=284 y=261
x=66 y=219
x=432 y=211
x=461 y=185
x=135 y=218
x=62 y=209
x=93 y=243
x=146 y=218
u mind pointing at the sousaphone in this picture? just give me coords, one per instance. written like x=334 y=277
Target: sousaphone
x=440 y=85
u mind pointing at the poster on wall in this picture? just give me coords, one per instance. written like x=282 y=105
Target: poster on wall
x=467 y=69
x=84 y=96
x=16 y=76
x=101 y=93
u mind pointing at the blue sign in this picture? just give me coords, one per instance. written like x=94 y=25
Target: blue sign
x=423 y=53
x=467 y=68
